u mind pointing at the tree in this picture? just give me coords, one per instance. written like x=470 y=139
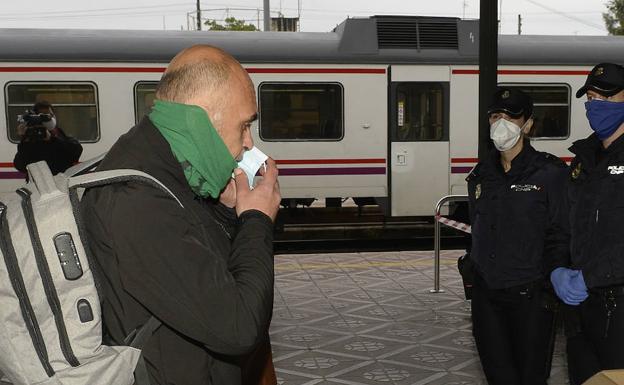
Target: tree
x=614 y=17
x=231 y=24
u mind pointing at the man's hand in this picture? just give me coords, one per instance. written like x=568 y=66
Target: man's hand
x=265 y=197
x=228 y=195
x=21 y=129
x=569 y=285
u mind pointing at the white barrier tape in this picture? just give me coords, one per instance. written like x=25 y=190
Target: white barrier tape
x=454 y=224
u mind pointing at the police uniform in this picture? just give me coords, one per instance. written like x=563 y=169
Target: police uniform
x=519 y=234
x=596 y=197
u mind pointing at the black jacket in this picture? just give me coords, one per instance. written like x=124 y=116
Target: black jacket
x=205 y=274
x=596 y=197
x=519 y=218
x=60 y=152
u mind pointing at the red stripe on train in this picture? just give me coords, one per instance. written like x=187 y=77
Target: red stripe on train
x=525 y=72
x=316 y=70
x=162 y=69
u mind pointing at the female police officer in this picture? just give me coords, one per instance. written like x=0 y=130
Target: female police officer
x=519 y=234
x=594 y=285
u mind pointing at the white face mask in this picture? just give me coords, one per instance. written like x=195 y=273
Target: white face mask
x=505 y=134
x=252 y=160
x=50 y=124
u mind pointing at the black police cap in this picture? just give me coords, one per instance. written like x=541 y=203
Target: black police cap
x=511 y=101
x=606 y=79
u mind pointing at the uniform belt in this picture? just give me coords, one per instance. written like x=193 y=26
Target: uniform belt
x=613 y=290
x=535 y=285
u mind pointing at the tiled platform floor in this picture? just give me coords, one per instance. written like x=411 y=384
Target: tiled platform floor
x=368 y=318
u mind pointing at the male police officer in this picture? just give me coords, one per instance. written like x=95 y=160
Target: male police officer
x=519 y=229
x=594 y=285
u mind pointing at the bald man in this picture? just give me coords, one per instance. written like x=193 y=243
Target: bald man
x=204 y=270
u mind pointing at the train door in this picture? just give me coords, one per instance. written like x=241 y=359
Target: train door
x=419 y=138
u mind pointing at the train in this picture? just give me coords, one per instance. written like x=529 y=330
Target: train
x=383 y=109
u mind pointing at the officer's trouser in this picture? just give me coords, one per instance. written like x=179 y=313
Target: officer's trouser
x=592 y=345
x=513 y=331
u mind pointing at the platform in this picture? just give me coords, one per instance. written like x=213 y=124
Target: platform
x=368 y=318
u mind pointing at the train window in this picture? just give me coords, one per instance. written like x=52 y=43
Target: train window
x=75 y=106
x=144 y=93
x=301 y=111
x=420 y=112
x=551 y=109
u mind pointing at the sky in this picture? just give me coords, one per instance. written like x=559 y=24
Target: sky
x=539 y=17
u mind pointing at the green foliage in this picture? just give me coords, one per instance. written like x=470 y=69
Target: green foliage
x=614 y=17
x=231 y=24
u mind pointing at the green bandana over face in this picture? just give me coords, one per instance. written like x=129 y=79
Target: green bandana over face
x=206 y=161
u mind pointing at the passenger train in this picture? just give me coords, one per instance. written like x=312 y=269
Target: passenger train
x=381 y=109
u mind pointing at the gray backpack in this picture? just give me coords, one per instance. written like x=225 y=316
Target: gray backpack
x=50 y=316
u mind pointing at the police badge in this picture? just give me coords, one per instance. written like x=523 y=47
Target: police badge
x=577 y=171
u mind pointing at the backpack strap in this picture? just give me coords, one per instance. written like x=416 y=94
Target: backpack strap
x=141 y=335
x=39 y=173
x=100 y=178
x=85 y=166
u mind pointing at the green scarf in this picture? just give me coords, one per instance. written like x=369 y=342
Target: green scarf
x=196 y=144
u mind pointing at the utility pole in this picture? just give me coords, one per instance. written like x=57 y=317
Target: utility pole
x=464 y=10
x=500 y=16
x=488 y=67
x=198 y=16
x=519 y=24
x=267 y=15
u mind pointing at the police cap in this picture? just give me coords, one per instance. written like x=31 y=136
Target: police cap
x=606 y=79
x=512 y=102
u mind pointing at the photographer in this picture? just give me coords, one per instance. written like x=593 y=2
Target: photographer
x=41 y=139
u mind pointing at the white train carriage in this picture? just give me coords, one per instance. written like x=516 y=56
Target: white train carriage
x=382 y=107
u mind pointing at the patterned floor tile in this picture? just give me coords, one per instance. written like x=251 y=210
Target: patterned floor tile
x=369 y=318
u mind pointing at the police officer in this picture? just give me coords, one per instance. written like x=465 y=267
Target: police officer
x=519 y=234
x=594 y=283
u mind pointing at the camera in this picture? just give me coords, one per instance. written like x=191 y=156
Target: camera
x=35 y=130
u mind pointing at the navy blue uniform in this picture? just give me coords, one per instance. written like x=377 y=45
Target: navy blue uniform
x=519 y=234
x=596 y=196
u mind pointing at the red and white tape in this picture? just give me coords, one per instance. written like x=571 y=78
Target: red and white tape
x=454 y=224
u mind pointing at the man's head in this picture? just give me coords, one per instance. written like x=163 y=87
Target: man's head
x=605 y=81
x=213 y=80
x=48 y=118
x=43 y=107
x=510 y=104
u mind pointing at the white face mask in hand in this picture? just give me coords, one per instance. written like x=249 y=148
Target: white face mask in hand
x=505 y=134
x=252 y=161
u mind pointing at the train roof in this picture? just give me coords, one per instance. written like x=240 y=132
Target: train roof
x=372 y=40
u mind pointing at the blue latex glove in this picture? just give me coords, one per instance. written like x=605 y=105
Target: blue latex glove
x=569 y=285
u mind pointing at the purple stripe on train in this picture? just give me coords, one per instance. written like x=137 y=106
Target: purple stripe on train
x=282 y=172
x=461 y=170
x=333 y=171
x=12 y=175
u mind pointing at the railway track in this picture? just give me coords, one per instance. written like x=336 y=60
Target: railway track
x=349 y=230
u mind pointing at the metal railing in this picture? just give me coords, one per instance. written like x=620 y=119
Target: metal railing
x=436 y=237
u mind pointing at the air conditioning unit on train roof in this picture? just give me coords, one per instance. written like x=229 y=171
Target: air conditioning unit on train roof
x=413 y=33
x=417 y=32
